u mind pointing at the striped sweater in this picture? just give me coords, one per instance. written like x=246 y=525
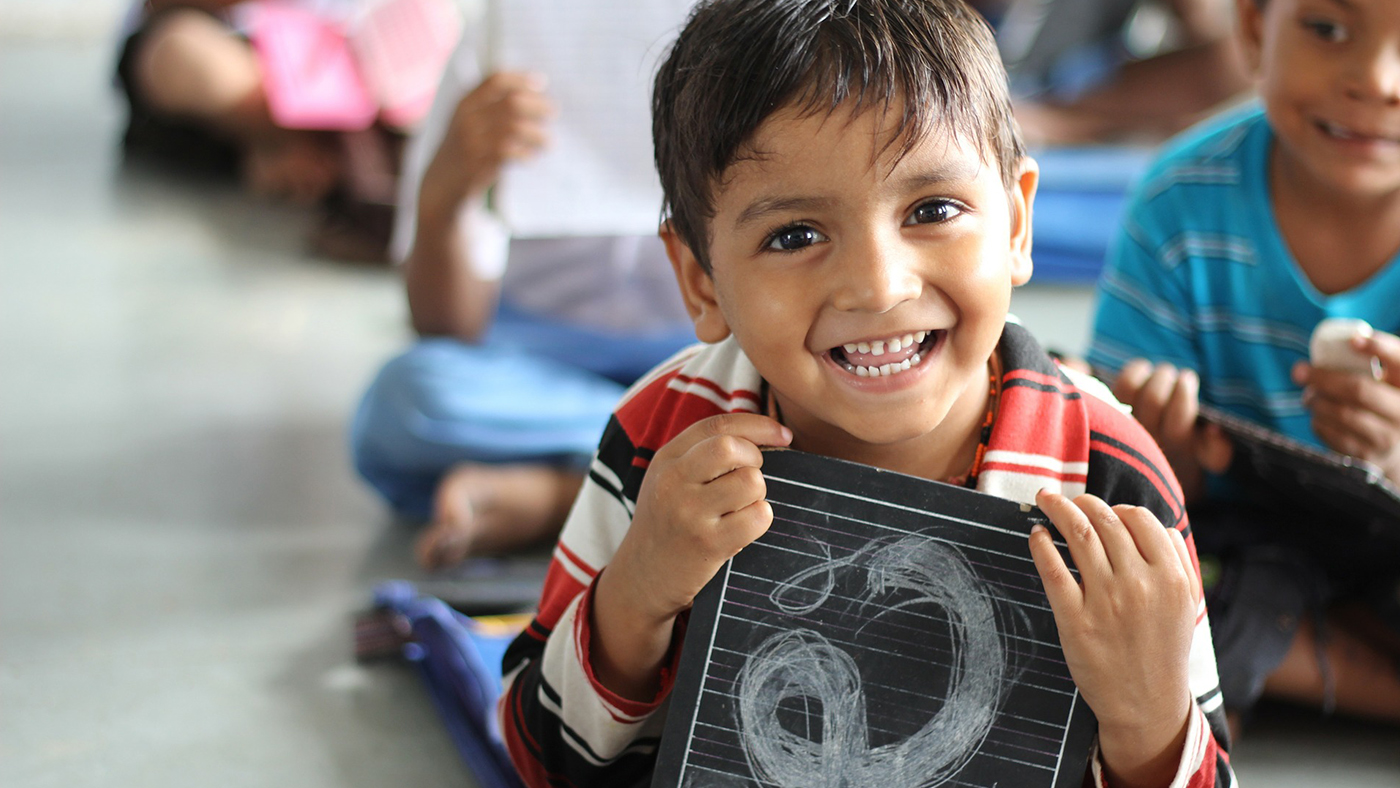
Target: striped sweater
x=1054 y=429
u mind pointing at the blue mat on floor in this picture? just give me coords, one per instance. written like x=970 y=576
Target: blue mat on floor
x=459 y=658
x=1079 y=206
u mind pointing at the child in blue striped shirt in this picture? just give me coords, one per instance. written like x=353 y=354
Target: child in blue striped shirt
x=1248 y=232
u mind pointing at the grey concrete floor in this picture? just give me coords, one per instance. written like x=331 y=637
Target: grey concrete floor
x=182 y=543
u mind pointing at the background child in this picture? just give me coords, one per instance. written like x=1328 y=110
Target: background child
x=849 y=210
x=196 y=97
x=1243 y=237
x=486 y=424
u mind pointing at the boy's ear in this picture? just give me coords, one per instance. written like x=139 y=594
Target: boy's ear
x=697 y=288
x=1022 y=204
x=1250 y=18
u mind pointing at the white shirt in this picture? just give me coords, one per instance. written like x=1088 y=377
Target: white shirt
x=614 y=283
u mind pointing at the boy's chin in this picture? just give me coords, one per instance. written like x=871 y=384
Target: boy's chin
x=894 y=431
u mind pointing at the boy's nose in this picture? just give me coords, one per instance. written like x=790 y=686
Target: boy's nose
x=1376 y=75
x=876 y=276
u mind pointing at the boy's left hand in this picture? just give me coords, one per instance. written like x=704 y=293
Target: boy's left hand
x=1353 y=413
x=1125 y=626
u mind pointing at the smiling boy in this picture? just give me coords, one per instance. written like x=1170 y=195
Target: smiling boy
x=1246 y=234
x=849 y=209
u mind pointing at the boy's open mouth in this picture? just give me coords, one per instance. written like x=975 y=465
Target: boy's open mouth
x=885 y=357
x=1343 y=133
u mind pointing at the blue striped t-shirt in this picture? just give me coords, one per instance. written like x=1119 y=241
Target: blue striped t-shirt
x=1201 y=277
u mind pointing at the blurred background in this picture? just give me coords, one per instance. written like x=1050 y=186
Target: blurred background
x=183 y=542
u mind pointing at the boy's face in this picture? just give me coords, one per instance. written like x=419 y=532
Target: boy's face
x=1329 y=75
x=825 y=247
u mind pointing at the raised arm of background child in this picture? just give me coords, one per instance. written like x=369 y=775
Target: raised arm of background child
x=503 y=118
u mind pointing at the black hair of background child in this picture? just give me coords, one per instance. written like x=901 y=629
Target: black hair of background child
x=738 y=61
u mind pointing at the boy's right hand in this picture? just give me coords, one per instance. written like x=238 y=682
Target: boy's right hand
x=1166 y=401
x=504 y=118
x=702 y=501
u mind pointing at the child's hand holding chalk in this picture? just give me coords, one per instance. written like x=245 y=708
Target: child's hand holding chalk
x=1335 y=345
x=1352 y=388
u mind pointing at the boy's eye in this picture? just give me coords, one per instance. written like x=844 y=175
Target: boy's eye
x=790 y=239
x=1326 y=30
x=934 y=212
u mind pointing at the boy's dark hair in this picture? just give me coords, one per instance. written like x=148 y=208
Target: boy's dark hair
x=738 y=61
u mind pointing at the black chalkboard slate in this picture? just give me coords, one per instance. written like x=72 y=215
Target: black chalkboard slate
x=1306 y=486
x=886 y=631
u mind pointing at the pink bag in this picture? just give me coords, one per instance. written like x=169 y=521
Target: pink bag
x=386 y=63
x=402 y=47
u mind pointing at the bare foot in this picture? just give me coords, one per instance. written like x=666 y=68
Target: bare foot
x=483 y=508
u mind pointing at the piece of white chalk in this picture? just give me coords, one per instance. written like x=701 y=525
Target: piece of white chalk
x=1330 y=347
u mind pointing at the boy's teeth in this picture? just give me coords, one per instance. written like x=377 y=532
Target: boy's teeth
x=883 y=346
x=885 y=370
x=899 y=344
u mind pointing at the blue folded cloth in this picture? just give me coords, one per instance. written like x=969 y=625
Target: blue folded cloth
x=460 y=660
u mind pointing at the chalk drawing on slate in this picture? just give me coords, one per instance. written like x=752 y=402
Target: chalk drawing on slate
x=887 y=631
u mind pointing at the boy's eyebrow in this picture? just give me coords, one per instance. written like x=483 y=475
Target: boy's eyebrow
x=950 y=171
x=763 y=206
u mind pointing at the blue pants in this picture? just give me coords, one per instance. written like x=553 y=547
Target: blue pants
x=532 y=391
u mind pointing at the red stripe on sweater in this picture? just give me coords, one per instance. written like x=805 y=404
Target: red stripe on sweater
x=639 y=415
x=657 y=413
x=560 y=590
x=1032 y=421
x=587 y=568
x=728 y=396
